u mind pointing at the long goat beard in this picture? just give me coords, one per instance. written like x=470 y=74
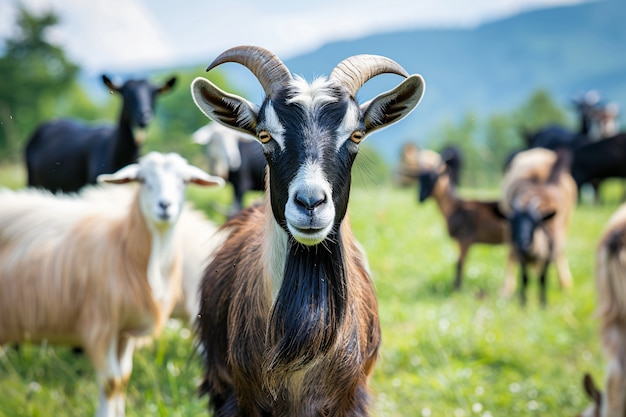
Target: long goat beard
x=309 y=309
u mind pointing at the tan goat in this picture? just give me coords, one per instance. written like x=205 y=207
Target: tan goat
x=76 y=273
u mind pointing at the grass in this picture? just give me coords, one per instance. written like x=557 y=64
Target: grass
x=444 y=353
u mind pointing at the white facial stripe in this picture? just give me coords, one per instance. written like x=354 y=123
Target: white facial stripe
x=273 y=125
x=312 y=96
x=306 y=227
x=348 y=125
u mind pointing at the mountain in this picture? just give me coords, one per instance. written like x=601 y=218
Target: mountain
x=493 y=67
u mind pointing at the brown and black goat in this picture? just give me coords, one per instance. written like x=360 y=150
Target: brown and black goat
x=288 y=319
x=468 y=221
x=538 y=199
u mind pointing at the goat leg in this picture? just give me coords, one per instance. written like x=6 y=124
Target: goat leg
x=542 y=284
x=458 y=280
x=524 y=283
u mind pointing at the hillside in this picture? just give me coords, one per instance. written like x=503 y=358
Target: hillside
x=494 y=67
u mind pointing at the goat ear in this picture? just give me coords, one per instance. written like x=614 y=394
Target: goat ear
x=495 y=208
x=390 y=107
x=590 y=388
x=548 y=215
x=127 y=174
x=167 y=86
x=110 y=84
x=228 y=109
x=197 y=176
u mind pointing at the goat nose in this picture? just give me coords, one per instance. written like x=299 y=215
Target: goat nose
x=163 y=204
x=310 y=199
x=145 y=118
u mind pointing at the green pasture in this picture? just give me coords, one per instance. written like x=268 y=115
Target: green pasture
x=444 y=353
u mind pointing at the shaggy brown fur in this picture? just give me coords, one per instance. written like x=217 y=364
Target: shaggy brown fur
x=243 y=374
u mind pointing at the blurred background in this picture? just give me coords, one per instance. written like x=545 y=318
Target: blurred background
x=492 y=69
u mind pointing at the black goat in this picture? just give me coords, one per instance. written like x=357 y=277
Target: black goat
x=234 y=157
x=600 y=160
x=64 y=155
x=597 y=122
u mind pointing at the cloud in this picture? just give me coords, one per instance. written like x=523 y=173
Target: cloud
x=110 y=35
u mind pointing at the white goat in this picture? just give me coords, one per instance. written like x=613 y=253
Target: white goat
x=76 y=273
x=196 y=235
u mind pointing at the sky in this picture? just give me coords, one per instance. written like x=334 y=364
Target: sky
x=127 y=35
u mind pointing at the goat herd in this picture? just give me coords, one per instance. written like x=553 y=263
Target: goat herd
x=280 y=295
x=540 y=189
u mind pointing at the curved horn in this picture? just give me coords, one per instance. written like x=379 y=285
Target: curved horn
x=355 y=71
x=266 y=67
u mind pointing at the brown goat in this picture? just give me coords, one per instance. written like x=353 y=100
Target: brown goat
x=288 y=317
x=539 y=197
x=468 y=221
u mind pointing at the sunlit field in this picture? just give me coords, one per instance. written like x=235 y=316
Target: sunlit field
x=444 y=353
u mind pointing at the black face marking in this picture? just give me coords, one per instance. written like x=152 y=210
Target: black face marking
x=309 y=138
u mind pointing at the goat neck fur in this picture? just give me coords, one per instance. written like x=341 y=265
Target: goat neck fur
x=289 y=318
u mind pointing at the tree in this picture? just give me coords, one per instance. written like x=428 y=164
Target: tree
x=35 y=74
x=539 y=111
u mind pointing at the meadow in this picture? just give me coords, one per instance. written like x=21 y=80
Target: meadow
x=444 y=353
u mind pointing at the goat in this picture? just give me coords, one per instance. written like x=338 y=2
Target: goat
x=65 y=155
x=600 y=160
x=234 y=156
x=538 y=199
x=289 y=323
x=409 y=163
x=597 y=122
x=196 y=237
x=468 y=221
x=554 y=137
x=611 y=309
x=79 y=274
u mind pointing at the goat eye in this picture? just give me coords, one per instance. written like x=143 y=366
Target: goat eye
x=356 y=137
x=264 y=136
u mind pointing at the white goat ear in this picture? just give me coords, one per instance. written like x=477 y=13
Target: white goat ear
x=390 y=107
x=197 y=176
x=228 y=109
x=127 y=174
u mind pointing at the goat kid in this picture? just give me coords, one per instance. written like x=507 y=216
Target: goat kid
x=78 y=274
x=468 y=221
x=289 y=322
